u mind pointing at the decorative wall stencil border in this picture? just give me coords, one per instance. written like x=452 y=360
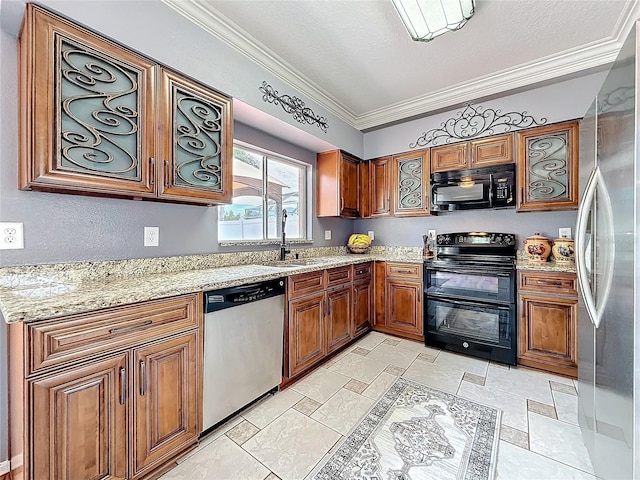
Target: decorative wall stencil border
x=294 y=106
x=476 y=121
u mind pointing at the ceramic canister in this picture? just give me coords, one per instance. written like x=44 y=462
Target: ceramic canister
x=538 y=248
x=563 y=250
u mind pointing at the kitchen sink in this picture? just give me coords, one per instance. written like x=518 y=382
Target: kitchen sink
x=293 y=263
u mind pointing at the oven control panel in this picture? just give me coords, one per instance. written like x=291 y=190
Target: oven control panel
x=476 y=238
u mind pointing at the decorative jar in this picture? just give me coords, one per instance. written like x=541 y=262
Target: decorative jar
x=537 y=247
x=563 y=250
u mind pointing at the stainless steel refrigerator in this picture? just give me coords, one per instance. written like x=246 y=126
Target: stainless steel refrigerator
x=606 y=246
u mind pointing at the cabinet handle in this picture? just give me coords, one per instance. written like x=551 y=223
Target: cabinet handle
x=522 y=195
x=328 y=307
x=408 y=272
x=388 y=204
x=152 y=171
x=341 y=203
x=166 y=173
x=123 y=386
x=131 y=327
x=143 y=378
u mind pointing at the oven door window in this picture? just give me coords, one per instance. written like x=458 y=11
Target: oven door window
x=477 y=285
x=482 y=323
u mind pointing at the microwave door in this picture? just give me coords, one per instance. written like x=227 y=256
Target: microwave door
x=459 y=194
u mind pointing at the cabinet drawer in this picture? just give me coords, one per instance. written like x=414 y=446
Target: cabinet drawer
x=549 y=282
x=305 y=283
x=82 y=336
x=339 y=276
x=361 y=270
x=404 y=270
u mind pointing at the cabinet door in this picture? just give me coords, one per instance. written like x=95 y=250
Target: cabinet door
x=363 y=307
x=548 y=333
x=492 y=151
x=87 y=111
x=450 y=157
x=196 y=149
x=411 y=184
x=548 y=168
x=166 y=400
x=349 y=183
x=306 y=335
x=380 y=186
x=79 y=422
x=338 y=319
x=404 y=306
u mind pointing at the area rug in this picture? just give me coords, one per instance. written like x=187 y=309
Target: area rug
x=415 y=432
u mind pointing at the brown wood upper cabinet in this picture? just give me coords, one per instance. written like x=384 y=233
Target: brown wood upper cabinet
x=380 y=187
x=479 y=153
x=338 y=184
x=548 y=168
x=99 y=119
x=410 y=180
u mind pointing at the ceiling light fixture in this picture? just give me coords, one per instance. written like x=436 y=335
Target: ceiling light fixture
x=427 y=19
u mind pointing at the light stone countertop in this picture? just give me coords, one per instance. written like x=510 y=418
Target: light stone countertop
x=526 y=264
x=34 y=293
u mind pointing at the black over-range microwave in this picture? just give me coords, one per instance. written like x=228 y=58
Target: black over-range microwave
x=488 y=187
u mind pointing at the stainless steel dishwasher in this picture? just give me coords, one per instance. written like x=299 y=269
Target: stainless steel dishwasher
x=243 y=341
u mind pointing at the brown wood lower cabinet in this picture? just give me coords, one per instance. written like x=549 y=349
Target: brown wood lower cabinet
x=326 y=310
x=119 y=411
x=548 y=337
x=399 y=299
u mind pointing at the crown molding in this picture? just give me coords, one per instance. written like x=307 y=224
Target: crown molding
x=571 y=62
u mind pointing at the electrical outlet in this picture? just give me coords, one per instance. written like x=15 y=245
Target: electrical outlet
x=327 y=234
x=564 y=232
x=431 y=234
x=371 y=235
x=151 y=236
x=11 y=236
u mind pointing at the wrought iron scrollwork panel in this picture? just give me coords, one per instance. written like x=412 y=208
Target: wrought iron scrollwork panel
x=98 y=113
x=410 y=185
x=198 y=124
x=547 y=170
x=293 y=106
x=473 y=122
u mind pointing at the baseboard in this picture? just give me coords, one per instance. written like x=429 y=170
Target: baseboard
x=4 y=469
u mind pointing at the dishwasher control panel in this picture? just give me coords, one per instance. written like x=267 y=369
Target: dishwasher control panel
x=228 y=297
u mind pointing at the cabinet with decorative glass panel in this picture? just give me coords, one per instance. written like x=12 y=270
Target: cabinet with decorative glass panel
x=99 y=119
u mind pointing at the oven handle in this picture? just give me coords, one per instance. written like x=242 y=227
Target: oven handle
x=470 y=272
x=473 y=304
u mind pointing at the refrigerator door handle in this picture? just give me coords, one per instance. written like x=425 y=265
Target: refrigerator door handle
x=581 y=233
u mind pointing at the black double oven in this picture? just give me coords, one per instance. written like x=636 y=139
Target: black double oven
x=470 y=295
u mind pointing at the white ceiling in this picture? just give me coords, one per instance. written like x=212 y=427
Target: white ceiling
x=354 y=57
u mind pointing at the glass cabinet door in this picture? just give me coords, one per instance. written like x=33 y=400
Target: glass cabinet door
x=411 y=184
x=87 y=110
x=197 y=142
x=548 y=168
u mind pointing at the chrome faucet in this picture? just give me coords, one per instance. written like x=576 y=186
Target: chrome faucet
x=283 y=246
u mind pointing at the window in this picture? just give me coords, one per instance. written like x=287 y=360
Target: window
x=264 y=182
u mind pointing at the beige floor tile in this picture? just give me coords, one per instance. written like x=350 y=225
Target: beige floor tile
x=472 y=378
x=469 y=364
x=394 y=370
x=322 y=384
x=542 y=409
x=514 y=407
x=371 y=340
x=392 y=355
x=426 y=357
x=356 y=386
x=380 y=385
x=391 y=341
x=242 y=432
x=562 y=387
x=292 y=445
x=221 y=459
x=307 y=406
x=267 y=411
x=361 y=351
x=443 y=377
x=514 y=436
x=559 y=441
x=515 y=463
x=343 y=410
x=364 y=369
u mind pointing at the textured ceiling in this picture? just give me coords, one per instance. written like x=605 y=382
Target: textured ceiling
x=355 y=58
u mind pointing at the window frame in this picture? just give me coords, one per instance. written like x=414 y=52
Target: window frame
x=304 y=202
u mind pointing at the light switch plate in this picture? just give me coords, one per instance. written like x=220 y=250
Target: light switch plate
x=327 y=234
x=564 y=232
x=371 y=235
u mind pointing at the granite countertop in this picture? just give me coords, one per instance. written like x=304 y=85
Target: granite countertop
x=42 y=292
x=552 y=266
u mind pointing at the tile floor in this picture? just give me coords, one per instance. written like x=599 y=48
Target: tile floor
x=285 y=435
